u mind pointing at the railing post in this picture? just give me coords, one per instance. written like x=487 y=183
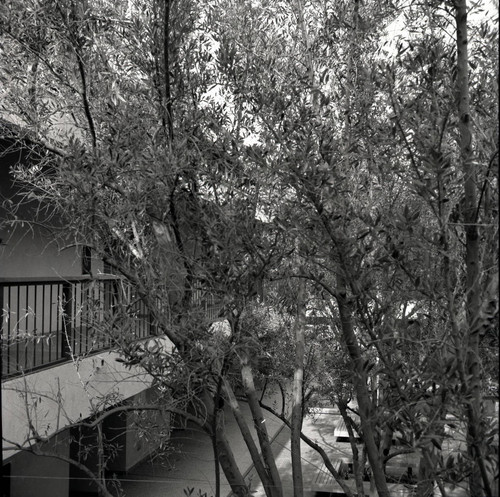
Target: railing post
x=4 y=349
x=67 y=318
x=3 y=476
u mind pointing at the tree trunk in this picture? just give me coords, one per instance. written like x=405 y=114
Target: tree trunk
x=326 y=460
x=357 y=468
x=260 y=426
x=362 y=392
x=298 y=380
x=425 y=485
x=247 y=437
x=216 y=421
x=101 y=463
x=168 y=113
x=229 y=465
x=223 y=448
x=386 y=443
x=477 y=487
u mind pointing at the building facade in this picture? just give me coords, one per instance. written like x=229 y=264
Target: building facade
x=59 y=371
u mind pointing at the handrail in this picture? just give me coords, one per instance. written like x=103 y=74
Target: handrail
x=56 y=279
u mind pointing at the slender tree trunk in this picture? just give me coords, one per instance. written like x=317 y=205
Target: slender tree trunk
x=223 y=448
x=362 y=392
x=247 y=437
x=425 y=481
x=386 y=443
x=101 y=465
x=260 y=425
x=229 y=465
x=357 y=468
x=215 y=423
x=166 y=63
x=478 y=482
x=326 y=460
x=363 y=396
x=298 y=381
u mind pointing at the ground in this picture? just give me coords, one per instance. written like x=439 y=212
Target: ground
x=191 y=464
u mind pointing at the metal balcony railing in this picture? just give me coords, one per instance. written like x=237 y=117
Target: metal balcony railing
x=51 y=320
x=206 y=304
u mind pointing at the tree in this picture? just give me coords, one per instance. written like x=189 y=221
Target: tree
x=234 y=143
x=381 y=247
x=151 y=199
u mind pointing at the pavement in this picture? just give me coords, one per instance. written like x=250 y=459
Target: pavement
x=327 y=428
x=188 y=469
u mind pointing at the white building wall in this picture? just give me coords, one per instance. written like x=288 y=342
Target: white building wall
x=54 y=398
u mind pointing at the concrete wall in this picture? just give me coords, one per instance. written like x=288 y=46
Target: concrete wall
x=126 y=430
x=39 y=476
x=27 y=249
x=26 y=253
x=43 y=476
x=57 y=397
x=138 y=447
x=120 y=430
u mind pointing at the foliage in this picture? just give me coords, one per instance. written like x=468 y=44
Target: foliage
x=221 y=148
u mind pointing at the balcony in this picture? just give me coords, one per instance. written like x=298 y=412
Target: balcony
x=48 y=321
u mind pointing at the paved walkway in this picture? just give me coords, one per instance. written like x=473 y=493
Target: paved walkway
x=190 y=465
x=325 y=428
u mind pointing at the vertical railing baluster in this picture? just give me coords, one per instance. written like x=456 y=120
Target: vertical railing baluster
x=35 y=341
x=67 y=318
x=99 y=334
x=80 y=313
x=86 y=316
x=78 y=317
x=95 y=309
x=51 y=304
x=15 y=329
x=11 y=331
x=4 y=356
x=76 y=313
x=25 y=317
x=59 y=320
x=103 y=337
x=149 y=315
x=8 y=322
x=42 y=330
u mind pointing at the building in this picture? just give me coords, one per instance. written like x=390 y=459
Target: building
x=58 y=370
